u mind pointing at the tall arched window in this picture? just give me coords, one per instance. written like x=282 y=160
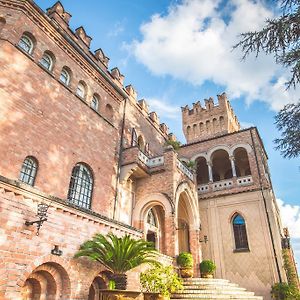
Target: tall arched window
x=81 y=89
x=65 y=76
x=95 y=102
x=81 y=186
x=134 y=137
x=240 y=233
x=29 y=170
x=47 y=61
x=26 y=43
x=152 y=228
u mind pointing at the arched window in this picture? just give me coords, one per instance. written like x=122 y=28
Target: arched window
x=240 y=234
x=81 y=186
x=47 y=61
x=109 y=111
x=151 y=218
x=29 y=170
x=81 y=89
x=95 y=103
x=26 y=43
x=141 y=143
x=65 y=76
x=134 y=137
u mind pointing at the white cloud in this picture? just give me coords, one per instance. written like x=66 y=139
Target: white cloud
x=290 y=215
x=193 y=42
x=163 y=108
x=246 y=125
x=117 y=29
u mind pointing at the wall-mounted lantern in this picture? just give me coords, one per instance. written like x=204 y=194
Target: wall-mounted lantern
x=42 y=210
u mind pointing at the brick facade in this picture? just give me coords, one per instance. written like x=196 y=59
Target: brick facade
x=132 y=170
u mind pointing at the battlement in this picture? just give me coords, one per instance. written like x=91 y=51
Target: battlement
x=211 y=120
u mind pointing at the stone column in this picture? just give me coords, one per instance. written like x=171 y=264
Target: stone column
x=233 y=166
x=210 y=173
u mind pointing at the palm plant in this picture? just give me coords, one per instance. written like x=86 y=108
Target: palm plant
x=118 y=254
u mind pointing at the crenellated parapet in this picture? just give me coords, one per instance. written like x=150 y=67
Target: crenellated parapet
x=211 y=120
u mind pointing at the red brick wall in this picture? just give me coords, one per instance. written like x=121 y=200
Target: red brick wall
x=43 y=118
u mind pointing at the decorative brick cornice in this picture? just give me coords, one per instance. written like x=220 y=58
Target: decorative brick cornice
x=21 y=189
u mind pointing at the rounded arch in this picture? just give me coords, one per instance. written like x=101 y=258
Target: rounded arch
x=95 y=102
x=241 y=161
x=191 y=200
x=29 y=170
x=81 y=90
x=27 y=42
x=49 y=280
x=81 y=185
x=218 y=147
x=202 y=170
x=48 y=60
x=247 y=147
x=109 y=112
x=141 y=143
x=66 y=75
x=221 y=165
x=144 y=204
x=99 y=283
x=188 y=130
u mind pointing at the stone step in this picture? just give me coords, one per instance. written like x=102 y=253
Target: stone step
x=222 y=297
x=214 y=289
x=233 y=287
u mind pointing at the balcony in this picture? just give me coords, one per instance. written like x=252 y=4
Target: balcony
x=224 y=184
x=185 y=170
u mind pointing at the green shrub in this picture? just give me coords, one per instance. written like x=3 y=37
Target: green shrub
x=185 y=260
x=284 y=291
x=175 y=144
x=207 y=267
x=162 y=280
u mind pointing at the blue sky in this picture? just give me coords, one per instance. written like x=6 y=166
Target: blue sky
x=177 y=52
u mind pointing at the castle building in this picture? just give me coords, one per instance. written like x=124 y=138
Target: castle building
x=81 y=154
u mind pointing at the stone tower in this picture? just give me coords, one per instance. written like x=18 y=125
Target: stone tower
x=200 y=123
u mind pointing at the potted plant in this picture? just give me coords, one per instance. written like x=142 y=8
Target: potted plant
x=162 y=280
x=284 y=291
x=118 y=255
x=207 y=268
x=185 y=262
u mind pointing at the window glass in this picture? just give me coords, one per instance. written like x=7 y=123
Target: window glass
x=46 y=61
x=64 y=77
x=26 y=44
x=28 y=170
x=81 y=186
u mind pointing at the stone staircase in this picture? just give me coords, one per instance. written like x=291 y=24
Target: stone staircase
x=216 y=289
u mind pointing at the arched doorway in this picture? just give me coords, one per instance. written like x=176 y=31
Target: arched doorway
x=154 y=227
x=183 y=227
x=99 y=283
x=202 y=171
x=48 y=281
x=241 y=162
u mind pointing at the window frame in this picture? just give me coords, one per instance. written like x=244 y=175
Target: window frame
x=51 y=61
x=80 y=190
x=95 y=99
x=31 y=43
x=28 y=172
x=84 y=90
x=240 y=236
x=67 y=83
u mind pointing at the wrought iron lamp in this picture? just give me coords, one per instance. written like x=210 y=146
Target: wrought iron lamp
x=205 y=239
x=42 y=210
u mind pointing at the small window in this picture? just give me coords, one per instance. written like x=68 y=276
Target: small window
x=47 y=61
x=95 y=103
x=81 y=186
x=65 y=76
x=134 y=138
x=26 y=43
x=29 y=170
x=240 y=234
x=81 y=90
